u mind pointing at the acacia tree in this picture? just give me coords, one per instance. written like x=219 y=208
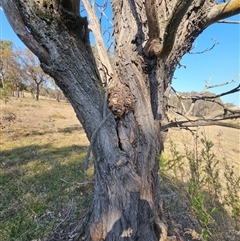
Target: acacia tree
x=122 y=121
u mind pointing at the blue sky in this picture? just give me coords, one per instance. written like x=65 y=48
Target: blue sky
x=222 y=62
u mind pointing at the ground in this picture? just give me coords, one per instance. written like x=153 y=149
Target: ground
x=43 y=147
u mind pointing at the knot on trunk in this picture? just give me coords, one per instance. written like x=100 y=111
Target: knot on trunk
x=153 y=48
x=120 y=101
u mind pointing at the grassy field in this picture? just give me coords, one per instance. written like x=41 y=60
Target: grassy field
x=226 y=143
x=42 y=153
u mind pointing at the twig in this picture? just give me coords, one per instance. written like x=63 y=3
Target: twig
x=221 y=84
x=206 y=85
x=200 y=122
x=182 y=65
x=66 y=217
x=64 y=180
x=228 y=21
x=180 y=98
x=84 y=183
x=78 y=183
x=211 y=97
x=206 y=50
x=103 y=13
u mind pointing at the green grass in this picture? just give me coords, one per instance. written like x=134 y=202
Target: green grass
x=41 y=168
x=38 y=182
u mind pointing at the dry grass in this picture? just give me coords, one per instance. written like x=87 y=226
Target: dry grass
x=226 y=142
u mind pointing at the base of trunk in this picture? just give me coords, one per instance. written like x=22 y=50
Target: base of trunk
x=180 y=224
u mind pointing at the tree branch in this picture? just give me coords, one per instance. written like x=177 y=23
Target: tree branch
x=18 y=26
x=180 y=98
x=211 y=97
x=221 y=84
x=224 y=10
x=228 y=21
x=104 y=58
x=179 y=11
x=197 y=123
x=226 y=113
x=206 y=50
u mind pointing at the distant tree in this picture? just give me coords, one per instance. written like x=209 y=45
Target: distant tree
x=7 y=56
x=10 y=69
x=124 y=119
x=33 y=73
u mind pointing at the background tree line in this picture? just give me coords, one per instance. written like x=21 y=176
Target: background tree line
x=20 y=72
x=200 y=108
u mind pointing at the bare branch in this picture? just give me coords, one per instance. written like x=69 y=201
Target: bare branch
x=211 y=97
x=66 y=217
x=234 y=90
x=18 y=26
x=197 y=123
x=225 y=108
x=104 y=58
x=222 y=84
x=225 y=114
x=101 y=9
x=179 y=97
x=182 y=65
x=228 y=21
x=224 y=10
x=206 y=50
x=206 y=85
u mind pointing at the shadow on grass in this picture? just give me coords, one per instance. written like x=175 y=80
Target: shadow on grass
x=58 y=130
x=11 y=132
x=43 y=153
x=40 y=184
x=70 y=129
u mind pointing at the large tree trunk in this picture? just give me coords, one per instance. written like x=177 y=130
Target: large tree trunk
x=129 y=140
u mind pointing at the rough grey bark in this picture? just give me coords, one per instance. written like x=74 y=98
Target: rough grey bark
x=126 y=196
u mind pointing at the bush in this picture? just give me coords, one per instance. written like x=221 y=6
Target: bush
x=213 y=188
